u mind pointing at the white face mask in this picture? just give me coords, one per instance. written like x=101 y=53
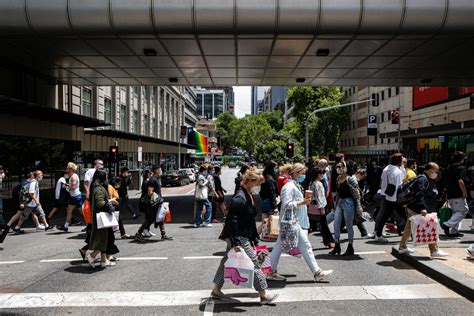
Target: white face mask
x=434 y=175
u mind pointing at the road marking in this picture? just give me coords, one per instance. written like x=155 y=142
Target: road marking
x=59 y=260
x=11 y=262
x=185 y=298
x=209 y=309
x=141 y=258
x=370 y=252
x=202 y=257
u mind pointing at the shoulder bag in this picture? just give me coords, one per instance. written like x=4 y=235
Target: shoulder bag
x=289 y=231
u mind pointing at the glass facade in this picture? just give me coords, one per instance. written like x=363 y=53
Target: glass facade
x=123 y=117
x=135 y=121
x=218 y=104
x=208 y=105
x=86 y=102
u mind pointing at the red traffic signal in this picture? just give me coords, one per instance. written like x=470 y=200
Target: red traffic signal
x=395 y=115
x=114 y=153
x=290 y=150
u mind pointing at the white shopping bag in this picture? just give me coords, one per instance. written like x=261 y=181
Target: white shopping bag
x=106 y=220
x=161 y=214
x=117 y=216
x=239 y=269
x=424 y=229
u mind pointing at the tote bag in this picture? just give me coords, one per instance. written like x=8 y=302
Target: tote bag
x=289 y=231
x=106 y=220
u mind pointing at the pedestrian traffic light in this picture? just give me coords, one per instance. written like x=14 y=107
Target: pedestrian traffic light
x=375 y=99
x=114 y=153
x=290 y=150
x=395 y=115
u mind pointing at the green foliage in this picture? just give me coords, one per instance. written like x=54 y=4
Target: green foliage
x=252 y=130
x=226 y=128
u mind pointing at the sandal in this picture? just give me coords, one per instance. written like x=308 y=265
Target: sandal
x=113 y=258
x=125 y=236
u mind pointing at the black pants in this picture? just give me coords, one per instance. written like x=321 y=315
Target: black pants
x=325 y=232
x=147 y=224
x=121 y=227
x=387 y=208
x=124 y=204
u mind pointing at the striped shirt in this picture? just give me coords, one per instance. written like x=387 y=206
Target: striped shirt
x=291 y=194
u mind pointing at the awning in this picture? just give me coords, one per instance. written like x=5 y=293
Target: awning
x=26 y=109
x=133 y=136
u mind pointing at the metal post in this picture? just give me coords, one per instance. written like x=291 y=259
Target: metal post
x=368 y=137
x=399 y=124
x=307 y=141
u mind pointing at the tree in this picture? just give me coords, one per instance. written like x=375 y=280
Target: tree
x=274 y=118
x=324 y=128
x=226 y=124
x=252 y=129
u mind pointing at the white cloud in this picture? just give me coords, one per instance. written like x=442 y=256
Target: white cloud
x=242 y=100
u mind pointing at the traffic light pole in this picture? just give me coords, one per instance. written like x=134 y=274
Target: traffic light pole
x=319 y=111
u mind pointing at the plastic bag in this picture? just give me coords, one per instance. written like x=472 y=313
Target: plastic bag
x=117 y=216
x=86 y=210
x=239 y=269
x=263 y=257
x=161 y=214
x=424 y=229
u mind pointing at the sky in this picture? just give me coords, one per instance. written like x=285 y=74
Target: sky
x=243 y=97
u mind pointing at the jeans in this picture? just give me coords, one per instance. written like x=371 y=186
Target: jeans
x=303 y=245
x=207 y=217
x=330 y=217
x=345 y=209
x=407 y=234
x=460 y=210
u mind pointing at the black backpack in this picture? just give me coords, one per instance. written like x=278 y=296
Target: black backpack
x=20 y=192
x=406 y=192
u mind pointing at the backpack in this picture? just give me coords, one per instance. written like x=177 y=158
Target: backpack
x=21 y=192
x=406 y=192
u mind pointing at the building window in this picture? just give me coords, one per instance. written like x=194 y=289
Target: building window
x=397 y=90
x=353 y=124
x=155 y=128
x=383 y=95
x=396 y=140
x=388 y=140
x=108 y=110
x=208 y=105
x=135 y=122
x=123 y=117
x=389 y=92
x=381 y=140
x=382 y=117
x=86 y=101
x=375 y=140
x=218 y=104
x=135 y=90
x=147 y=125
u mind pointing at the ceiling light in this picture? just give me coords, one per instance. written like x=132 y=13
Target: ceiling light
x=173 y=79
x=300 y=80
x=322 y=52
x=427 y=80
x=149 y=52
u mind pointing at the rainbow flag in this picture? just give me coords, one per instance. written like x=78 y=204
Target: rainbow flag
x=198 y=139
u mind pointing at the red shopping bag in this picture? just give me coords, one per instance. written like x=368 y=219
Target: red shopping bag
x=167 y=216
x=86 y=210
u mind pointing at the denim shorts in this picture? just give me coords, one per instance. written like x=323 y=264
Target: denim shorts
x=267 y=206
x=75 y=200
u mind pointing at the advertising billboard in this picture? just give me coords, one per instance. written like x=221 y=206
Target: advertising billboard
x=428 y=96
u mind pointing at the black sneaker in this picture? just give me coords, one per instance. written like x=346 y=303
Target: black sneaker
x=18 y=231
x=139 y=237
x=457 y=235
x=49 y=227
x=4 y=234
x=166 y=237
x=136 y=215
x=63 y=228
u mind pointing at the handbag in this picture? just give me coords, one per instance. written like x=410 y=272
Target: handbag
x=390 y=189
x=161 y=214
x=424 y=229
x=289 y=232
x=445 y=213
x=106 y=220
x=313 y=209
x=239 y=269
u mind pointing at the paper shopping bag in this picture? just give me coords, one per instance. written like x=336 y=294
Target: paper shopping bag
x=424 y=229
x=106 y=220
x=274 y=225
x=239 y=269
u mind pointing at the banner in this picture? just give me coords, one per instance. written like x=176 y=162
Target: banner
x=427 y=96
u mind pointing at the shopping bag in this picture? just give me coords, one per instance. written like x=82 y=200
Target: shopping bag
x=274 y=225
x=445 y=213
x=239 y=269
x=263 y=257
x=295 y=252
x=86 y=210
x=265 y=234
x=106 y=220
x=289 y=232
x=117 y=216
x=161 y=214
x=167 y=216
x=313 y=209
x=424 y=229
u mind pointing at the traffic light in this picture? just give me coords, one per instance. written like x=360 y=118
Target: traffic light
x=113 y=153
x=290 y=150
x=395 y=116
x=375 y=99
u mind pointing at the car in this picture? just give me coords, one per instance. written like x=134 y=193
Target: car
x=191 y=174
x=175 y=177
x=232 y=164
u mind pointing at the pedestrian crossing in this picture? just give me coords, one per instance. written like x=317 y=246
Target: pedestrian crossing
x=197 y=297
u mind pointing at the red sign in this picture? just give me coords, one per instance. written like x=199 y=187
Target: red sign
x=423 y=96
x=426 y=96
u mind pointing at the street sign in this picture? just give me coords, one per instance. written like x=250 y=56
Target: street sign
x=184 y=131
x=140 y=154
x=395 y=115
x=441 y=139
x=372 y=125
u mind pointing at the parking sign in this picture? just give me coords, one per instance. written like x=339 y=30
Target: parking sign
x=372 y=125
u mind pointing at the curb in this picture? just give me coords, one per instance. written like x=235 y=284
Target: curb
x=449 y=277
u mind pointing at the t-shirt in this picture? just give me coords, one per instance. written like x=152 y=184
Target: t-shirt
x=394 y=176
x=89 y=175
x=59 y=187
x=453 y=174
x=410 y=175
x=34 y=188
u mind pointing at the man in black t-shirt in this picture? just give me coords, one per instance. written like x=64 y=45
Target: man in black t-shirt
x=456 y=193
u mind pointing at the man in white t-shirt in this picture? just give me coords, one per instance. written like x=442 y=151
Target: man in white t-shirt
x=90 y=174
x=391 y=180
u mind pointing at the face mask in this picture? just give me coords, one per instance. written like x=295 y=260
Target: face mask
x=276 y=171
x=39 y=178
x=66 y=176
x=339 y=171
x=434 y=175
x=301 y=178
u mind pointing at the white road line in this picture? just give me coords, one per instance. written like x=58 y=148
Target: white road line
x=370 y=252
x=185 y=298
x=209 y=309
x=202 y=257
x=141 y=258
x=59 y=260
x=11 y=262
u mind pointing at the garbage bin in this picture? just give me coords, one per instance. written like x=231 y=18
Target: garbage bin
x=137 y=179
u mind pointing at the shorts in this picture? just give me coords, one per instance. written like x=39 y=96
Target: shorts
x=75 y=200
x=38 y=211
x=267 y=206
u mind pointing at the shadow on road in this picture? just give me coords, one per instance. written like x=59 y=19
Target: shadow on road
x=83 y=269
x=339 y=257
x=397 y=264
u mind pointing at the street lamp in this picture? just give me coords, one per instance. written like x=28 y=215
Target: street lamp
x=323 y=110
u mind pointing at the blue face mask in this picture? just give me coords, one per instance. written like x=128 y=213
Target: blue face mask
x=301 y=178
x=275 y=170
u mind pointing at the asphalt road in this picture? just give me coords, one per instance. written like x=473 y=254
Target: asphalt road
x=42 y=273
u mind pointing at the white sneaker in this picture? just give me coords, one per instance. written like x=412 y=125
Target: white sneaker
x=322 y=275
x=196 y=226
x=151 y=233
x=439 y=254
x=90 y=260
x=405 y=251
x=107 y=264
x=40 y=227
x=275 y=277
x=146 y=233
x=206 y=225
x=380 y=239
x=368 y=236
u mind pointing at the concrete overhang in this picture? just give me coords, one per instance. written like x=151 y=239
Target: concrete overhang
x=242 y=42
